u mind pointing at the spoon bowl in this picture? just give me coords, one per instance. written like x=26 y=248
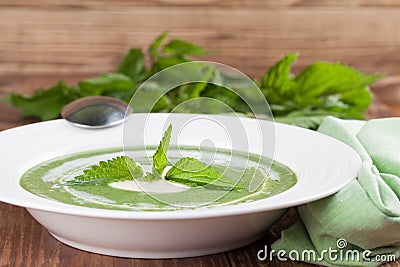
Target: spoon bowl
x=96 y=112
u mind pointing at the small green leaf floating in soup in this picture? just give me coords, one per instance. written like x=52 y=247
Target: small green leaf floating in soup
x=191 y=172
x=114 y=170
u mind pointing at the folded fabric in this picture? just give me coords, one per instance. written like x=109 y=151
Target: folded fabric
x=360 y=224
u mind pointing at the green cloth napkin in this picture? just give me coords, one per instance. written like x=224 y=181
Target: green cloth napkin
x=363 y=217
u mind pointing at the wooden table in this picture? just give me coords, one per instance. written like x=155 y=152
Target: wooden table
x=24 y=242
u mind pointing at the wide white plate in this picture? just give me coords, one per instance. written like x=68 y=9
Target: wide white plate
x=323 y=166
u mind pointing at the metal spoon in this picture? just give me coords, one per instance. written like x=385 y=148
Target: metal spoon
x=96 y=112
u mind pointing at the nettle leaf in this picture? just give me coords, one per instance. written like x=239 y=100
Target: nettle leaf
x=173 y=53
x=278 y=80
x=149 y=177
x=357 y=101
x=182 y=48
x=45 y=103
x=160 y=160
x=320 y=90
x=324 y=79
x=132 y=65
x=155 y=46
x=227 y=97
x=335 y=87
x=106 y=84
x=309 y=122
x=148 y=95
x=114 y=170
x=191 y=172
x=203 y=75
x=165 y=62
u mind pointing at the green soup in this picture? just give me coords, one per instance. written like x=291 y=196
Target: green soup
x=260 y=176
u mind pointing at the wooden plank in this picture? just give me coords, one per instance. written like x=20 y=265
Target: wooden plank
x=26 y=84
x=388 y=90
x=76 y=4
x=90 y=41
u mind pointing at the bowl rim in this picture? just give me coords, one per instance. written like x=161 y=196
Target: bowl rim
x=42 y=204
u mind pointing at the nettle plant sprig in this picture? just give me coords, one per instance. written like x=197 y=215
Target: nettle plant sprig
x=322 y=89
x=187 y=171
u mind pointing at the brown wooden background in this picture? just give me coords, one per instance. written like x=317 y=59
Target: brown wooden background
x=43 y=41
x=81 y=38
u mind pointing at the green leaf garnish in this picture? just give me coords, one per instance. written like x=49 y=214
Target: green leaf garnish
x=191 y=172
x=149 y=177
x=160 y=160
x=114 y=170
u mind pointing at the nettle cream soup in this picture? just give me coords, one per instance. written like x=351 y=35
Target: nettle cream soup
x=154 y=182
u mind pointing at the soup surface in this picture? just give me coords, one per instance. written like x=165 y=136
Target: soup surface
x=260 y=176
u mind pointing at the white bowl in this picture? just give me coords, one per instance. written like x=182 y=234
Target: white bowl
x=322 y=164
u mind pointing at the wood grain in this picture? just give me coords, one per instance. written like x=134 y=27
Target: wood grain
x=85 y=38
x=195 y=3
